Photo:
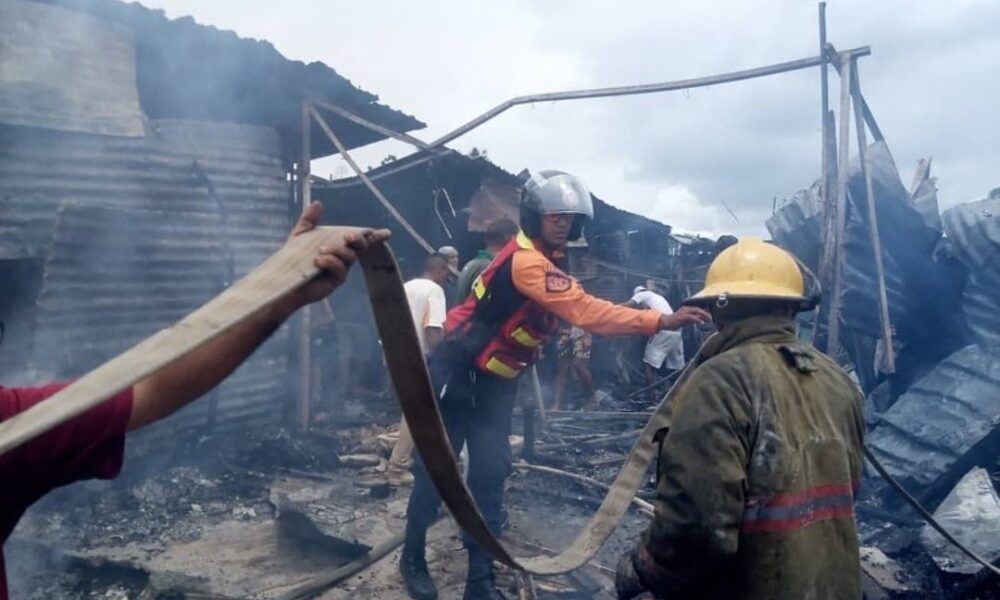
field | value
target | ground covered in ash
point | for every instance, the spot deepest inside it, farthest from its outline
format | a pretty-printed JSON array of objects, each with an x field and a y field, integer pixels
[
  {"x": 254, "y": 518},
  {"x": 259, "y": 518}
]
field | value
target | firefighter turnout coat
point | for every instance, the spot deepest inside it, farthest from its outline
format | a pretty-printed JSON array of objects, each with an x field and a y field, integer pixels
[{"x": 757, "y": 474}]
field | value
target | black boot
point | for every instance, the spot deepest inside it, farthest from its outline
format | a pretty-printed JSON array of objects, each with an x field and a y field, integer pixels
[
  {"x": 479, "y": 581},
  {"x": 413, "y": 565}
]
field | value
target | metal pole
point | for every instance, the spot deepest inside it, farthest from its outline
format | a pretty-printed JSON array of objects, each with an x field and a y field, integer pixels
[
  {"x": 827, "y": 215},
  {"x": 683, "y": 84},
  {"x": 836, "y": 59},
  {"x": 823, "y": 75},
  {"x": 305, "y": 321},
  {"x": 368, "y": 182},
  {"x": 346, "y": 114},
  {"x": 833, "y": 319},
  {"x": 632, "y": 90},
  {"x": 883, "y": 300}
]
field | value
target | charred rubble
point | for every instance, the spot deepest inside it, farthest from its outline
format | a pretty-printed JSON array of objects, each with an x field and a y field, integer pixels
[
  {"x": 239, "y": 496},
  {"x": 935, "y": 421}
]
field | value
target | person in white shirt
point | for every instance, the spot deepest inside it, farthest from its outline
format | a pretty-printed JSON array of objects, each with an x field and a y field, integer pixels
[
  {"x": 427, "y": 303},
  {"x": 665, "y": 349}
]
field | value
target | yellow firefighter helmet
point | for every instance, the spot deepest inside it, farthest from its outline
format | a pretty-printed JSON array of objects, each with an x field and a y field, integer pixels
[{"x": 753, "y": 269}]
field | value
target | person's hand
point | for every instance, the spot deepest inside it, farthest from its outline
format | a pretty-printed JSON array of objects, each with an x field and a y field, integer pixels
[
  {"x": 685, "y": 315},
  {"x": 628, "y": 584},
  {"x": 333, "y": 261}
]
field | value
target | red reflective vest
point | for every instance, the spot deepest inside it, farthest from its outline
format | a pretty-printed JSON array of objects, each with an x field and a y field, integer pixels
[{"x": 497, "y": 328}]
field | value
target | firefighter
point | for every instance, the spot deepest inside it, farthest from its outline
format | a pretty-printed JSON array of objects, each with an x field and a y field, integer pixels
[
  {"x": 490, "y": 339},
  {"x": 757, "y": 474}
]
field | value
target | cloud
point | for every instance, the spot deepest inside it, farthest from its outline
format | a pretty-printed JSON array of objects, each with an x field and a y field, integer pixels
[
  {"x": 931, "y": 81},
  {"x": 678, "y": 205}
]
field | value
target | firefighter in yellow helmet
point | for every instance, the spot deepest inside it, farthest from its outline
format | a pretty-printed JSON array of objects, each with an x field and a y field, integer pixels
[{"x": 758, "y": 472}]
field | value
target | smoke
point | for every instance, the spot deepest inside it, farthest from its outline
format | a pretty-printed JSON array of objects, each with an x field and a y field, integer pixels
[{"x": 108, "y": 234}]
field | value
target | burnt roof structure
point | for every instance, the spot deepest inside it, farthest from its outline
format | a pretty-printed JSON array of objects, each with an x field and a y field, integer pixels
[
  {"x": 426, "y": 186},
  {"x": 196, "y": 72},
  {"x": 144, "y": 166}
]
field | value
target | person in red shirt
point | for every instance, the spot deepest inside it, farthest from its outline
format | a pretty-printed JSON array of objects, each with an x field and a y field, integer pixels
[{"x": 92, "y": 444}]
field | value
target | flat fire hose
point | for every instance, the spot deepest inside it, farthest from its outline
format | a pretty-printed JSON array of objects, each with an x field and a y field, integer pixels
[
  {"x": 289, "y": 269},
  {"x": 286, "y": 271},
  {"x": 412, "y": 383}
]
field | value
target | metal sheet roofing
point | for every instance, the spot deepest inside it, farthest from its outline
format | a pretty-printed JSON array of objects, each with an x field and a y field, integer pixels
[
  {"x": 920, "y": 288},
  {"x": 191, "y": 71},
  {"x": 63, "y": 69},
  {"x": 974, "y": 232},
  {"x": 942, "y": 416}
]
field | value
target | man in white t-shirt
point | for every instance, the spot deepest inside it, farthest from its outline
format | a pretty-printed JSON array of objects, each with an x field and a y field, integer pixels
[
  {"x": 427, "y": 303},
  {"x": 665, "y": 349}
]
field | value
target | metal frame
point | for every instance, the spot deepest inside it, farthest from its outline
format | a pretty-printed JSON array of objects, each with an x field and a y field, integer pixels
[{"x": 834, "y": 213}]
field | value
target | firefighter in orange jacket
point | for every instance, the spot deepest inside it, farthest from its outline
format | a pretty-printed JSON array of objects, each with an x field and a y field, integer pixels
[{"x": 490, "y": 339}]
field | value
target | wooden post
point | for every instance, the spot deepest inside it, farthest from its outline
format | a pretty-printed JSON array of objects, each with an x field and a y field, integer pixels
[
  {"x": 828, "y": 214},
  {"x": 921, "y": 173},
  {"x": 824, "y": 83},
  {"x": 833, "y": 318},
  {"x": 305, "y": 321},
  {"x": 828, "y": 224},
  {"x": 368, "y": 182},
  {"x": 396, "y": 135},
  {"x": 883, "y": 300}
]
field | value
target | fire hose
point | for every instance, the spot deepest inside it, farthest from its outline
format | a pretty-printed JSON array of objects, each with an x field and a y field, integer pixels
[
  {"x": 288, "y": 270},
  {"x": 284, "y": 272}
]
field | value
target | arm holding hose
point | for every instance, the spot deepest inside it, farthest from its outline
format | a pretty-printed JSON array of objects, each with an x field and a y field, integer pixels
[{"x": 183, "y": 381}]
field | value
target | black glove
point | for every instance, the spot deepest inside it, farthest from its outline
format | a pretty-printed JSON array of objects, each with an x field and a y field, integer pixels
[{"x": 628, "y": 584}]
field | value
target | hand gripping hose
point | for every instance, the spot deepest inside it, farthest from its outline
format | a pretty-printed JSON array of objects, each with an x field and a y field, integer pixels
[
  {"x": 286, "y": 271},
  {"x": 289, "y": 269}
]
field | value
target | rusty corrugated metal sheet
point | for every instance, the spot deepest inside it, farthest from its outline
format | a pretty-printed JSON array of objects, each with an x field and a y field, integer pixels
[
  {"x": 137, "y": 232},
  {"x": 62, "y": 69}
]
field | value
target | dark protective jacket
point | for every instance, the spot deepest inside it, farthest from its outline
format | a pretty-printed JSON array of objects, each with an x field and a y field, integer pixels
[
  {"x": 469, "y": 273},
  {"x": 757, "y": 474}
]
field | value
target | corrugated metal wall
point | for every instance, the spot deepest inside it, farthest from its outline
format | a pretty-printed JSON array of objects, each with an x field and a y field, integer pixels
[{"x": 134, "y": 233}]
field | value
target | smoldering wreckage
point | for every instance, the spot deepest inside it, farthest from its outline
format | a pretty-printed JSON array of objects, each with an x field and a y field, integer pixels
[{"x": 148, "y": 164}]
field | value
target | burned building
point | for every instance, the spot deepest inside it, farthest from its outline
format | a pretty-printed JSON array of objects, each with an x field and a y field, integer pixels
[
  {"x": 449, "y": 199},
  {"x": 146, "y": 164},
  {"x": 932, "y": 413}
]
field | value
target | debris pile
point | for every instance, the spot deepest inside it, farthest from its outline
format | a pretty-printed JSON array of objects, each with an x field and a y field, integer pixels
[
  {"x": 934, "y": 421},
  {"x": 267, "y": 518}
]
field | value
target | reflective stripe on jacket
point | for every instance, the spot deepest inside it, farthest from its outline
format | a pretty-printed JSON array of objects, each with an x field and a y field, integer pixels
[
  {"x": 514, "y": 309},
  {"x": 758, "y": 473}
]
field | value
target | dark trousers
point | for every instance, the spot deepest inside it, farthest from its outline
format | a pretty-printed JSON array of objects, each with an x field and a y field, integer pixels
[{"x": 476, "y": 409}]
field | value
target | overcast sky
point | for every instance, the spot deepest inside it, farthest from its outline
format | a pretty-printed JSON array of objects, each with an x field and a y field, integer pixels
[{"x": 932, "y": 81}]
